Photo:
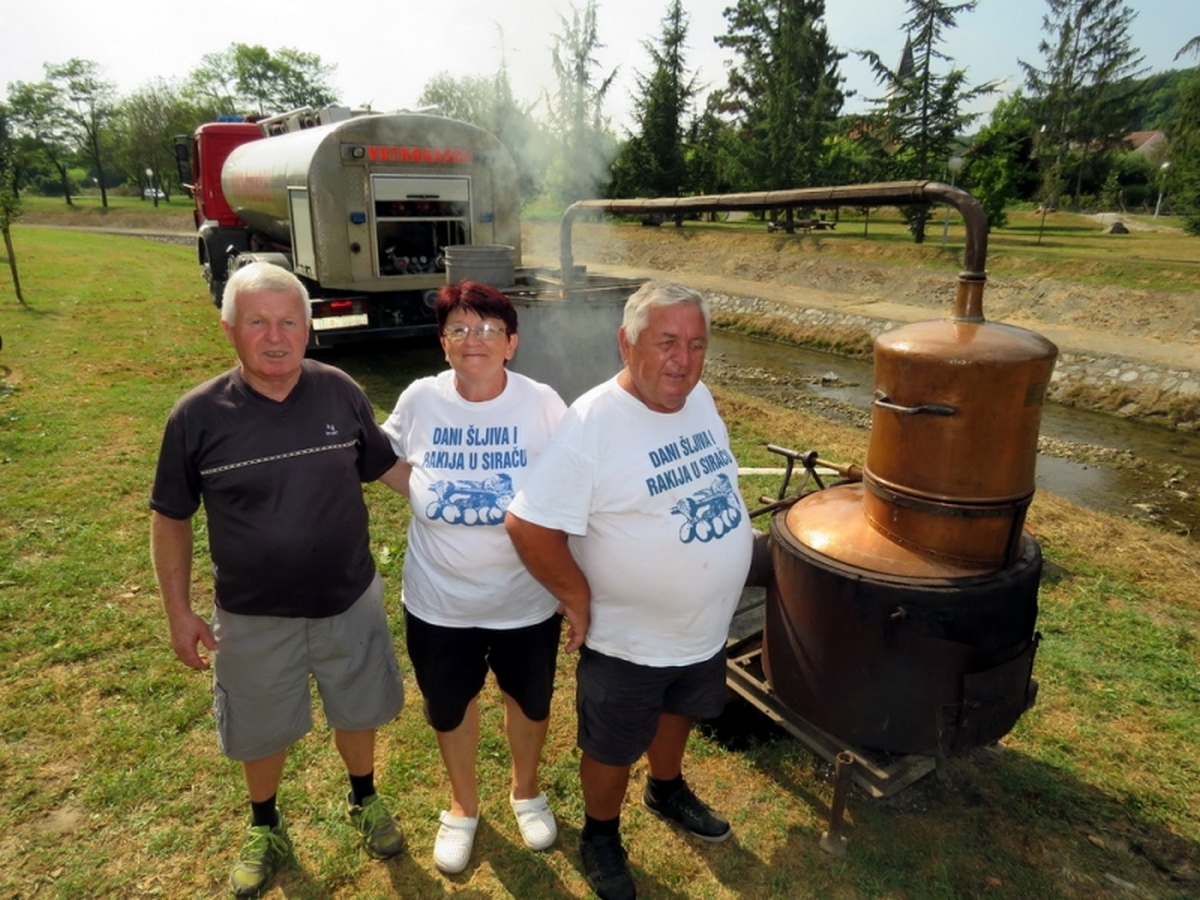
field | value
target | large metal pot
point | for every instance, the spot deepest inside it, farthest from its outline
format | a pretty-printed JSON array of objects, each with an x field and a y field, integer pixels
[{"x": 899, "y": 663}]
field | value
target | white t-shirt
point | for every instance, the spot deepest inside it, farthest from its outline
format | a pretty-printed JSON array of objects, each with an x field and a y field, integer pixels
[
  {"x": 468, "y": 460},
  {"x": 651, "y": 503}
]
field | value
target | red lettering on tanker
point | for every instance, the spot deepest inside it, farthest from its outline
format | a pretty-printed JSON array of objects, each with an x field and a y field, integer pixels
[{"x": 443, "y": 155}]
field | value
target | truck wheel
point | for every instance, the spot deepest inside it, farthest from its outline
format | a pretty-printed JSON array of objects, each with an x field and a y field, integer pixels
[{"x": 216, "y": 289}]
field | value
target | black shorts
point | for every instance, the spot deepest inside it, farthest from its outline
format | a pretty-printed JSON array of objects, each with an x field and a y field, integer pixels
[
  {"x": 451, "y": 665},
  {"x": 618, "y": 703}
]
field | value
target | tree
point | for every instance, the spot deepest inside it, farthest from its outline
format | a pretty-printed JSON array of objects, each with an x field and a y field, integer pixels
[
  {"x": 652, "y": 163},
  {"x": 784, "y": 91},
  {"x": 87, "y": 102},
  {"x": 1000, "y": 166},
  {"x": 1082, "y": 94},
  {"x": 489, "y": 103},
  {"x": 147, "y": 122},
  {"x": 10, "y": 201},
  {"x": 921, "y": 117},
  {"x": 586, "y": 146},
  {"x": 713, "y": 152},
  {"x": 34, "y": 112},
  {"x": 249, "y": 79},
  {"x": 1182, "y": 178}
]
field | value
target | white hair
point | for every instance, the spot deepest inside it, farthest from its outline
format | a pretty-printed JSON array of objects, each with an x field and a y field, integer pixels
[
  {"x": 258, "y": 277},
  {"x": 659, "y": 293}
]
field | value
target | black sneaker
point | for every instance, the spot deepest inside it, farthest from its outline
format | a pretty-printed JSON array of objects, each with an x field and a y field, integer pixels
[
  {"x": 685, "y": 809},
  {"x": 605, "y": 867}
]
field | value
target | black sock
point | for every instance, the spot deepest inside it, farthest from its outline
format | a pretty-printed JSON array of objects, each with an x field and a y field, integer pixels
[
  {"x": 361, "y": 787},
  {"x": 599, "y": 827},
  {"x": 661, "y": 790},
  {"x": 264, "y": 813}
]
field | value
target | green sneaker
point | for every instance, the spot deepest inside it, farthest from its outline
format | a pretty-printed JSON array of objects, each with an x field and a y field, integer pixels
[
  {"x": 381, "y": 837},
  {"x": 263, "y": 852}
]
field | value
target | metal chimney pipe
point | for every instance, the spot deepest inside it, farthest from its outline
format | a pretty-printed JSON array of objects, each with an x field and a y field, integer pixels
[{"x": 968, "y": 302}]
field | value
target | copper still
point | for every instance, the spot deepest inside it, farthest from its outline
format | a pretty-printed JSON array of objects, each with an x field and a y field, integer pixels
[{"x": 903, "y": 613}]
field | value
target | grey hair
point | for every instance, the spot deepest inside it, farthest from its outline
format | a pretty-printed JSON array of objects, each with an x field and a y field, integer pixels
[
  {"x": 258, "y": 277},
  {"x": 659, "y": 293}
]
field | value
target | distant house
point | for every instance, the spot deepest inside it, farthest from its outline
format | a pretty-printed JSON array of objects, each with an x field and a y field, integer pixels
[{"x": 1145, "y": 142}]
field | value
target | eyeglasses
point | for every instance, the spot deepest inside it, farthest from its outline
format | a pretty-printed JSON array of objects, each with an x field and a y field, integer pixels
[{"x": 485, "y": 332}]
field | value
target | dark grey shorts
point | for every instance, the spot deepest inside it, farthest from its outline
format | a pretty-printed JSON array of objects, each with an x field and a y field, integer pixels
[
  {"x": 618, "y": 703},
  {"x": 262, "y": 667}
]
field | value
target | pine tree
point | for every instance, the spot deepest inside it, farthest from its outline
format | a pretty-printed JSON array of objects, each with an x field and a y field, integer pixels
[
  {"x": 652, "y": 163},
  {"x": 1082, "y": 93},
  {"x": 784, "y": 93},
  {"x": 586, "y": 149},
  {"x": 921, "y": 116}
]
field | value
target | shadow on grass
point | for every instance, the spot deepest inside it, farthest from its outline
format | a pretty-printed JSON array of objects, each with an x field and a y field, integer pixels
[{"x": 993, "y": 821}]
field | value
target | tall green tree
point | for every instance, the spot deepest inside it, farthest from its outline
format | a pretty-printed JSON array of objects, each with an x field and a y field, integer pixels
[
  {"x": 586, "y": 146},
  {"x": 248, "y": 79},
  {"x": 1000, "y": 166},
  {"x": 146, "y": 124},
  {"x": 10, "y": 200},
  {"x": 784, "y": 91},
  {"x": 652, "y": 162},
  {"x": 922, "y": 115},
  {"x": 1082, "y": 91},
  {"x": 1182, "y": 179},
  {"x": 35, "y": 114},
  {"x": 87, "y": 103},
  {"x": 713, "y": 152}
]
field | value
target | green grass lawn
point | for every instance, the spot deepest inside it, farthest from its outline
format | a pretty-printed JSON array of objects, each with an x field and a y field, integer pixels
[{"x": 113, "y": 786}]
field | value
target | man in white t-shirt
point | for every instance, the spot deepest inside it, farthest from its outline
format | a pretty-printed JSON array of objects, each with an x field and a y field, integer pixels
[{"x": 633, "y": 520}]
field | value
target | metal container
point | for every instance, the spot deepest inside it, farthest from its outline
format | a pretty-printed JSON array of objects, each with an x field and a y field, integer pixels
[
  {"x": 900, "y": 663},
  {"x": 569, "y": 338},
  {"x": 484, "y": 263}
]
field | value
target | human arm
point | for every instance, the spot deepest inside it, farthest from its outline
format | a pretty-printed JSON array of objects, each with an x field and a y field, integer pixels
[
  {"x": 546, "y": 555},
  {"x": 171, "y": 552},
  {"x": 762, "y": 569},
  {"x": 397, "y": 477}
]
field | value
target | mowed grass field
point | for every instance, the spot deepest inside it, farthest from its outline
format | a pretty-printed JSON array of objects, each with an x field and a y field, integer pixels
[{"x": 112, "y": 784}]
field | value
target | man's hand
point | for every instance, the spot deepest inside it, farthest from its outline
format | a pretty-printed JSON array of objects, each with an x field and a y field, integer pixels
[
  {"x": 189, "y": 633},
  {"x": 547, "y": 555},
  {"x": 578, "y": 621}
]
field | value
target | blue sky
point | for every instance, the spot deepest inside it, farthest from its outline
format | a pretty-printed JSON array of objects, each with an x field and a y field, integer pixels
[{"x": 385, "y": 52}]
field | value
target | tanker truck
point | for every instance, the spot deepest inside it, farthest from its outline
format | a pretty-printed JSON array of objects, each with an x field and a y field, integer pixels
[{"x": 361, "y": 206}]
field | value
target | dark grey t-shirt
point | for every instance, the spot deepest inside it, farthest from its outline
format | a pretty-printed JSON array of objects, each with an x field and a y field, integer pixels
[{"x": 281, "y": 485}]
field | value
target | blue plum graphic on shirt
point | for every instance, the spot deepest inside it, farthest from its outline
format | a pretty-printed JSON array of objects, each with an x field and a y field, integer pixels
[
  {"x": 467, "y": 502},
  {"x": 711, "y": 512}
]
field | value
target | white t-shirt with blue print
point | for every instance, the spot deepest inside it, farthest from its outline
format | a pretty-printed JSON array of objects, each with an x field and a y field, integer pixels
[
  {"x": 657, "y": 525},
  {"x": 468, "y": 461}
]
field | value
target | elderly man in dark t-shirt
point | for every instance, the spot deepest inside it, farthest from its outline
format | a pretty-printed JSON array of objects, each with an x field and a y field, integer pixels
[{"x": 277, "y": 450}]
